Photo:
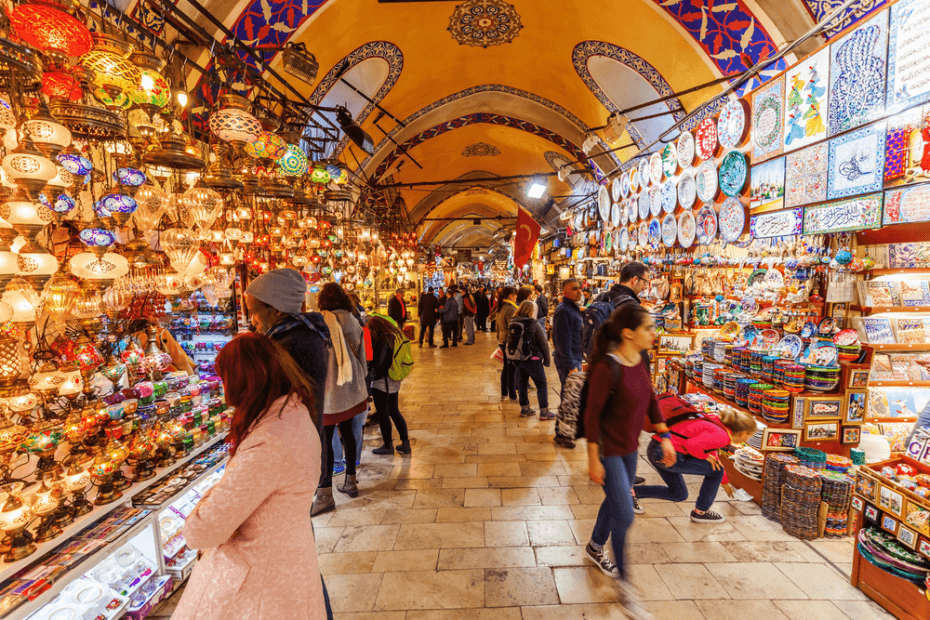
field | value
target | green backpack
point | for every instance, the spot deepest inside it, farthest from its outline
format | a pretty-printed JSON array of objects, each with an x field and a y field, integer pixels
[{"x": 402, "y": 362}]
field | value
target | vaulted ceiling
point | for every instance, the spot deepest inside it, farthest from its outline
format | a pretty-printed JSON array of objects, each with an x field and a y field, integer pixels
[{"x": 515, "y": 104}]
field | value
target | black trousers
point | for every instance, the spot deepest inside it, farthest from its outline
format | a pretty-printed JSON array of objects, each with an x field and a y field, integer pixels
[
  {"x": 431, "y": 326},
  {"x": 449, "y": 333},
  {"x": 348, "y": 441},
  {"x": 388, "y": 411},
  {"x": 481, "y": 321},
  {"x": 459, "y": 325}
]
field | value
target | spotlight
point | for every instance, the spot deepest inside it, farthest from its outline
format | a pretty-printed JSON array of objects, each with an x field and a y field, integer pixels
[
  {"x": 352, "y": 129},
  {"x": 537, "y": 189},
  {"x": 299, "y": 62}
]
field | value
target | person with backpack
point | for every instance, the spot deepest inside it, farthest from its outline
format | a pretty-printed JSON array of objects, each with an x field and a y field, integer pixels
[
  {"x": 542, "y": 306},
  {"x": 468, "y": 300},
  {"x": 506, "y": 308},
  {"x": 450, "y": 318},
  {"x": 697, "y": 439},
  {"x": 618, "y": 398},
  {"x": 384, "y": 388},
  {"x": 528, "y": 350}
]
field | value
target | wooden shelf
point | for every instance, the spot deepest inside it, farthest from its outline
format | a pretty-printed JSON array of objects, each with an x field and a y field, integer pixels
[
  {"x": 899, "y": 383},
  {"x": 888, "y": 309},
  {"x": 900, "y": 347},
  {"x": 891, "y": 272},
  {"x": 703, "y": 390}
]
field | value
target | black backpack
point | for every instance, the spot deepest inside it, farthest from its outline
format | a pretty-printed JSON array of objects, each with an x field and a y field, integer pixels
[
  {"x": 519, "y": 345},
  {"x": 596, "y": 315},
  {"x": 583, "y": 401}
]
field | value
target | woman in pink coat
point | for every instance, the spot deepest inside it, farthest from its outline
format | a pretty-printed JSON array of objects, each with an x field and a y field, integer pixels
[{"x": 260, "y": 559}]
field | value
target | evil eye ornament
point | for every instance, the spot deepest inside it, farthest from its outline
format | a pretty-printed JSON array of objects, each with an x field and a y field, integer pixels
[{"x": 844, "y": 257}]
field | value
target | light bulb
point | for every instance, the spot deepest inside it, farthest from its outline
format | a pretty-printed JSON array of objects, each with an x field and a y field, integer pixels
[{"x": 147, "y": 82}]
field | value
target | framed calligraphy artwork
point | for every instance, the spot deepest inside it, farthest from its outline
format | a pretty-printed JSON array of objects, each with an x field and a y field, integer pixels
[
  {"x": 857, "y": 162},
  {"x": 768, "y": 120},
  {"x": 908, "y": 55},
  {"x": 777, "y": 224},
  {"x": 846, "y": 215},
  {"x": 907, "y": 205},
  {"x": 857, "y": 75},
  {"x": 806, "y": 101}
]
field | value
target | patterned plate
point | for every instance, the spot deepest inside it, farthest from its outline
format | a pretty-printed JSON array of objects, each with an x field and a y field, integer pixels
[
  {"x": 624, "y": 185},
  {"x": 603, "y": 202},
  {"x": 615, "y": 213},
  {"x": 706, "y": 181},
  {"x": 615, "y": 188},
  {"x": 732, "y": 219},
  {"x": 607, "y": 242},
  {"x": 705, "y": 139},
  {"x": 846, "y": 338},
  {"x": 686, "y": 229},
  {"x": 644, "y": 179},
  {"x": 655, "y": 232},
  {"x": 624, "y": 239},
  {"x": 669, "y": 230},
  {"x": 655, "y": 168},
  {"x": 634, "y": 180},
  {"x": 731, "y": 125},
  {"x": 734, "y": 169},
  {"x": 624, "y": 213},
  {"x": 643, "y": 234},
  {"x": 655, "y": 201},
  {"x": 670, "y": 159},
  {"x": 669, "y": 196},
  {"x": 632, "y": 209},
  {"x": 809, "y": 329},
  {"x": 644, "y": 204},
  {"x": 706, "y": 224},
  {"x": 790, "y": 347},
  {"x": 687, "y": 190},
  {"x": 685, "y": 149}
]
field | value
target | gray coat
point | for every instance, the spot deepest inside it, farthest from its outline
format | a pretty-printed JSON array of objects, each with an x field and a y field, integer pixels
[{"x": 339, "y": 398}]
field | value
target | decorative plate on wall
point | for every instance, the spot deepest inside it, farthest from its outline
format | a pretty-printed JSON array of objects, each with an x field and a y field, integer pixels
[
  {"x": 669, "y": 230},
  {"x": 634, "y": 179},
  {"x": 624, "y": 185},
  {"x": 706, "y": 224},
  {"x": 655, "y": 201},
  {"x": 643, "y": 234},
  {"x": 655, "y": 232},
  {"x": 732, "y": 219},
  {"x": 603, "y": 202},
  {"x": 624, "y": 213},
  {"x": 632, "y": 208},
  {"x": 768, "y": 120},
  {"x": 734, "y": 169},
  {"x": 670, "y": 159},
  {"x": 731, "y": 125},
  {"x": 615, "y": 188},
  {"x": 687, "y": 190},
  {"x": 644, "y": 204},
  {"x": 615, "y": 213},
  {"x": 705, "y": 139},
  {"x": 685, "y": 149},
  {"x": 655, "y": 168},
  {"x": 644, "y": 172},
  {"x": 706, "y": 181},
  {"x": 686, "y": 229},
  {"x": 624, "y": 239},
  {"x": 669, "y": 196}
]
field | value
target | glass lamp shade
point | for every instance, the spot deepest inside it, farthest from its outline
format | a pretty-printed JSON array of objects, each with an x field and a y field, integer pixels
[
  {"x": 46, "y": 379},
  {"x": 129, "y": 177},
  {"x": 75, "y": 164},
  {"x": 51, "y": 30},
  {"x": 59, "y": 297},
  {"x": 14, "y": 515},
  {"x": 103, "y": 469},
  {"x": 76, "y": 478},
  {"x": 97, "y": 238},
  {"x": 7, "y": 118},
  {"x": 170, "y": 284},
  {"x": 28, "y": 167},
  {"x": 319, "y": 175},
  {"x": 23, "y": 214},
  {"x": 86, "y": 306},
  {"x": 62, "y": 206},
  {"x": 266, "y": 146},
  {"x": 248, "y": 237},
  {"x": 11, "y": 366},
  {"x": 180, "y": 245},
  {"x": 152, "y": 92},
  {"x": 197, "y": 265},
  {"x": 59, "y": 85},
  {"x": 235, "y": 126},
  {"x": 204, "y": 205},
  {"x": 152, "y": 204},
  {"x": 73, "y": 384},
  {"x": 24, "y": 306},
  {"x": 115, "y": 300},
  {"x": 293, "y": 163},
  {"x": 112, "y": 71},
  {"x": 23, "y": 401},
  {"x": 227, "y": 259},
  {"x": 61, "y": 181},
  {"x": 87, "y": 266},
  {"x": 33, "y": 262},
  {"x": 113, "y": 370},
  {"x": 86, "y": 354},
  {"x": 120, "y": 206},
  {"x": 119, "y": 102},
  {"x": 233, "y": 234},
  {"x": 46, "y": 132},
  {"x": 132, "y": 355}
]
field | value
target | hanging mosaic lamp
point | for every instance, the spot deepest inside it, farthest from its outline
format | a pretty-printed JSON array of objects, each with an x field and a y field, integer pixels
[
  {"x": 266, "y": 146},
  {"x": 204, "y": 205},
  {"x": 75, "y": 164},
  {"x": 100, "y": 272},
  {"x": 129, "y": 177},
  {"x": 49, "y": 136},
  {"x": 26, "y": 217},
  {"x": 152, "y": 92},
  {"x": 59, "y": 297},
  {"x": 113, "y": 72},
  {"x": 61, "y": 181},
  {"x": 28, "y": 168},
  {"x": 119, "y": 206},
  {"x": 120, "y": 102},
  {"x": 233, "y": 123},
  {"x": 60, "y": 85},
  {"x": 319, "y": 174},
  {"x": 56, "y": 33},
  {"x": 97, "y": 239},
  {"x": 36, "y": 265},
  {"x": 293, "y": 163}
]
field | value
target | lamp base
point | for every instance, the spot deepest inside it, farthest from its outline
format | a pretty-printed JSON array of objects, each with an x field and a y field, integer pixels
[
  {"x": 143, "y": 470},
  {"x": 107, "y": 494},
  {"x": 120, "y": 482},
  {"x": 21, "y": 546},
  {"x": 80, "y": 506},
  {"x": 47, "y": 530}
]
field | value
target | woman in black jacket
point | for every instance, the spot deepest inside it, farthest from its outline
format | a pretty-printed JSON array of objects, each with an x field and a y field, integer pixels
[
  {"x": 536, "y": 355},
  {"x": 384, "y": 390}
]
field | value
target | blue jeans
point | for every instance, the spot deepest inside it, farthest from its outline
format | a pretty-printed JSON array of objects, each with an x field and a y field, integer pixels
[
  {"x": 675, "y": 489},
  {"x": 532, "y": 369},
  {"x": 358, "y": 429},
  {"x": 616, "y": 514}
]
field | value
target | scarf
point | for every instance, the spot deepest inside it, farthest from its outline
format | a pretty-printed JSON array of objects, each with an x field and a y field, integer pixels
[
  {"x": 340, "y": 350},
  {"x": 311, "y": 320}
]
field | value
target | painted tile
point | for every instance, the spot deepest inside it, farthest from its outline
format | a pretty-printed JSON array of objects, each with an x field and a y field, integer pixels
[
  {"x": 806, "y": 175},
  {"x": 806, "y": 101},
  {"x": 856, "y": 162},
  {"x": 768, "y": 120},
  {"x": 857, "y": 75},
  {"x": 908, "y": 54}
]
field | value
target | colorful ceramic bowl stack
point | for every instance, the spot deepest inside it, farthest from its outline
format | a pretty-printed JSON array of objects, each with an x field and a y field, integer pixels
[
  {"x": 821, "y": 378},
  {"x": 885, "y": 552},
  {"x": 775, "y": 405},
  {"x": 720, "y": 351},
  {"x": 755, "y": 363},
  {"x": 741, "y": 358},
  {"x": 800, "y": 501},
  {"x": 838, "y": 464},
  {"x": 698, "y": 370},
  {"x": 847, "y": 344},
  {"x": 789, "y": 375},
  {"x": 742, "y": 390},
  {"x": 756, "y": 390},
  {"x": 811, "y": 458},
  {"x": 719, "y": 376},
  {"x": 729, "y": 385},
  {"x": 775, "y": 464},
  {"x": 708, "y": 376},
  {"x": 707, "y": 348},
  {"x": 768, "y": 367}
]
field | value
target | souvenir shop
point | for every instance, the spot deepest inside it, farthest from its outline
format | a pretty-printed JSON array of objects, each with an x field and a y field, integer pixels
[{"x": 789, "y": 240}]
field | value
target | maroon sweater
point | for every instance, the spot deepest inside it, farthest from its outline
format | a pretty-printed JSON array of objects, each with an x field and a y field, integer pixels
[{"x": 615, "y": 422}]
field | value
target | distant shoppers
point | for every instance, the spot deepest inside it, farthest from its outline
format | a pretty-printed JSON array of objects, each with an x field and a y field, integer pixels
[
  {"x": 460, "y": 319},
  {"x": 397, "y": 309},
  {"x": 262, "y": 562},
  {"x": 384, "y": 390},
  {"x": 633, "y": 279},
  {"x": 427, "y": 307},
  {"x": 484, "y": 309},
  {"x": 527, "y": 293},
  {"x": 450, "y": 319},
  {"x": 468, "y": 300},
  {"x": 362, "y": 314},
  {"x": 495, "y": 306},
  {"x": 506, "y": 308},
  {"x": 535, "y": 355},
  {"x": 542, "y": 307},
  {"x": 566, "y": 331}
]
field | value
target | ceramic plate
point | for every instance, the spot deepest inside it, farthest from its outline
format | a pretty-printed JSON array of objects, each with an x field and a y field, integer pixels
[
  {"x": 773, "y": 279},
  {"x": 731, "y": 125},
  {"x": 822, "y": 353},
  {"x": 706, "y": 181},
  {"x": 769, "y": 338},
  {"x": 624, "y": 239},
  {"x": 624, "y": 213},
  {"x": 655, "y": 168},
  {"x": 655, "y": 232},
  {"x": 634, "y": 179},
  {"x": 687, "y": 190},
  {"x": 686, "y": 229},
  {"x": 603, "y": 202},
  {"x": 669, "y": 196},
  {"x": 705, "y": 139},
  {"x": 615, "y": 210},
  {"x": 670, "y": 159},
  {"x": 655, "y": 200},
  {"x": 685, "y": 149},
  {"x": 809, "y": 329},
  {"x": 669, "y": 230},
  {"x": 624, "y": 185},
  {"x": 643, "y": 234},
  {"x": 706, "y": 225},
  {"x": 644, "y": 179},
  {"x": 732, "y": 219},
  {"x": 615, "y": 188},
  {"x": 644, "y": 204},
  {"x": 734, "y": 169},
  {"x": 632, "y": 208},
  {"x": 827, "y": 326},
  {"x": 790, "y": 347},
  {"x": 846, "y": 338}
]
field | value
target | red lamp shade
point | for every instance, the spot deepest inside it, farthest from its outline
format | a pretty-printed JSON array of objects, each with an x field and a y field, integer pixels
[
  {"x": 49, "y": 29},
  {"x": 58, "y": 85}
]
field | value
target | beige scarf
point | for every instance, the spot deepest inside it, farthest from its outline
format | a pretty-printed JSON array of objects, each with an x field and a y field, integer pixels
[{"x": 340, "y": 350}]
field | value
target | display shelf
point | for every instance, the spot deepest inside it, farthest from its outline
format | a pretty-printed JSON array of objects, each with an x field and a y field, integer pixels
[
  {"x": 891, "y": 272},
  {"x": 899, "y": 383},
  {"x": 888, "y": 309},
  {"x": 703, "y": 390},
  {"x": 203, "y": 476},
  {"x": 900, "y": 347},
  {"x": 742, "y": 481},
  {"x": 99, "y": 512}
]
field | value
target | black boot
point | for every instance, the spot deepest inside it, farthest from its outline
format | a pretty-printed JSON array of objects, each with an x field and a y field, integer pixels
[
  {"x": 385, "y": 449},
  {"x": 404, "y": 447}
]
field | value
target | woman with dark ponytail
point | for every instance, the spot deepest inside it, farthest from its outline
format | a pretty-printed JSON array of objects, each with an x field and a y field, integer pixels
[{"x": 620, "y": 397}]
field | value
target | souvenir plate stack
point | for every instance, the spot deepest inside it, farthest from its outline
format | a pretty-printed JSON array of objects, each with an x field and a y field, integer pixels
[
  {"x": 729, "y": 385},
  {"x": 821, "y": 378},
  {"x": 882, "y": 550},
  {"x": 742, "y": 390},
  {"x": 719, "y": 377},
  {"x": 768, "y": 367},
  {"x": 755, "y": 396},
  {"x": 775, "y": 464},
  {"x": 800, "y": 501},
  {"x": 708, "y": 376},
  {"x": 720, "y": 351},
  {"x": 847, "y": 345},
  {"x": 741, "y": 358},
  {"x": 836, "y": 490},
  {"x": 775, "y": 405},
  {"x": 789, "y": 375},
  {"x": 838, "y": 464},
  {"x": 749, "y": 462},
  {"x": 755, "y": 363},
  {"x": 707, "y": 348}
]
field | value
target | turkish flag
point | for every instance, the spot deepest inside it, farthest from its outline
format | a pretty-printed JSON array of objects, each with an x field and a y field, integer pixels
[{"x": 525, "y": 238}]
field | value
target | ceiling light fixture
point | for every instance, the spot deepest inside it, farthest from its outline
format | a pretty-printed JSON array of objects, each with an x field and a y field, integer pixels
[
  {"x": 537, "y": 189},
  {"x": 354, "y": 131}
]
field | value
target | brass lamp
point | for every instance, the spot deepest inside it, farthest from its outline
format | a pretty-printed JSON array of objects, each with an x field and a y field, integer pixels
[
  {"x": 45, "y": 506},
  {"x": 77, "y": 479},
  {"x": 14, "y": 517}
]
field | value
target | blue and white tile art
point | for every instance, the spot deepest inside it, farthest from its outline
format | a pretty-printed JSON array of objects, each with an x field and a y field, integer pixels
[
  {"x": 857, "y": 75},
  {"x": 908, "y": 54},
  {"x": 857, "y": 162}
]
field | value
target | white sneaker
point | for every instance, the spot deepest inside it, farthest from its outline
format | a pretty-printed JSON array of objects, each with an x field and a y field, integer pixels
[{"x": 637, "y": 507}]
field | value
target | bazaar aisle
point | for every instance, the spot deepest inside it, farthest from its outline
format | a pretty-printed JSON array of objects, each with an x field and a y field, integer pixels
[{"x": 489, "y": 514}]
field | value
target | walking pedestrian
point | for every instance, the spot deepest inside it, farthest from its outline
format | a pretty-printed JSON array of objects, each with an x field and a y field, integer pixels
[
  {"x": 542, "y": 307},
  {"x": 397, "y": 308},
  {"x": 484, "y": 309},
  {"x": 535, "y": 356},
  {"x": 527, "y": 293},
  {"x": 450, "y": 317},
  {"x": 566, "y": 331},
  {"x": 633, "y": 279},
  {"x": 384, "y": 389},
  {"x": 427, "y": 306},
  {"x": 620, "y": 397},
  {"x": 460, "y": 319},
  {"x": 506, "y": 308},
  {"x": 468, "y": 300}
]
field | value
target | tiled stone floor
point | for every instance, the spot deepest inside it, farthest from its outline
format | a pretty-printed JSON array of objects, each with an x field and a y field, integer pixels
[{"x": 488, "y": 518}]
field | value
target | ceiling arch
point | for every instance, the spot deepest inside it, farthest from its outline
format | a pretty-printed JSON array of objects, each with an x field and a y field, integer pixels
[{"x": 446, "y": 199}]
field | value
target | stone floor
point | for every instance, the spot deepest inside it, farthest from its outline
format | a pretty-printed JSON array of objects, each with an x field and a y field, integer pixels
[{"x": 488, "y": 518}]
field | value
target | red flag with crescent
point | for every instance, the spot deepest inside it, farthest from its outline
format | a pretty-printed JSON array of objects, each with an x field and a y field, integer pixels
[{"x": 525, "y": 238}]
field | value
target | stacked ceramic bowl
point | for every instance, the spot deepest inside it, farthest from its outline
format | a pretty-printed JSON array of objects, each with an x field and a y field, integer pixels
[
  {"x": 756, "y": 391},
  {"x": 821, "y": 378},
  {"x": 848, "y": 353},
  {"x": 789, "y": 375},
  {"x": 811, "y": 458},
  {"x": 749, "y": 462},
  {"x": 708, "y": 374},
  {"x": 838, "y": 464},
  {"x": 755, "y": 363},
  {"x": 707, "y": 348},
  {"x": 742, "y": 390},
  {"x": 775, "y": 464},
  {"x": 741, "y": 358},
  {"x": 720, "y": 351},
  {"x": 775, "y": 405},
  {"x": 729, "y": 385},
  {"x": 768, "y": 366}
]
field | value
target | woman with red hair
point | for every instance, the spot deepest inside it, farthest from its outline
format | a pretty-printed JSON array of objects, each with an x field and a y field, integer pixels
[{"x": 261, "y": 560}]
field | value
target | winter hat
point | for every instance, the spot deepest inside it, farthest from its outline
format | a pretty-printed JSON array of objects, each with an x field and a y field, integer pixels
[{"x": 282, "y": 289}]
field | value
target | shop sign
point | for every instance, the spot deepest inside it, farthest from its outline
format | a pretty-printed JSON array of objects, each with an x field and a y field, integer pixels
[
  {"x": 907, "y": 205},
  {"x": 846, "y": 215},
  {"x": 777, "y": 224}
]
